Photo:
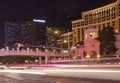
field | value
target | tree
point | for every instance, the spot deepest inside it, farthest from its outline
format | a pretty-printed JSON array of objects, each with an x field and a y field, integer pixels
[{"x": 107, "y": 41}]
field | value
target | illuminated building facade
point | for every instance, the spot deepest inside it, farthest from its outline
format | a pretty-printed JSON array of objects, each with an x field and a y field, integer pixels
[
  {"x": 66, "y": 41},
  {"x": 17, "y": 32},
  {"x": 108, "y": 15},
  {"x": 24, "y": 32},
  {"x": 91, "y": 44}
]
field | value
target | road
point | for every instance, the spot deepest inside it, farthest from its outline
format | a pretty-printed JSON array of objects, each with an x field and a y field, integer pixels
[{"x": 62, "y": 74}]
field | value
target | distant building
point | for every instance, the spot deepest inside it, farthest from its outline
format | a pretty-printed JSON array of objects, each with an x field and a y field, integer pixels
[
  {"x": 66, "y": 41},
  {"x": 24, "y": 32},
  {"x": 40, "y": 33},
  {"x": 91, "y": 46},
  {"x": 108, "y": 15},
  {"x": 2, "y": 34}
]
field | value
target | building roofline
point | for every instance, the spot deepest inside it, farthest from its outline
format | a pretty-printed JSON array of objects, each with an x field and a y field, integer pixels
[{"x": 102, "y": 7}]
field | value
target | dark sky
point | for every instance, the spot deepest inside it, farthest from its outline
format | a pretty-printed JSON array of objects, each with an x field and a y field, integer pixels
[{"x": 55, "y": 12}]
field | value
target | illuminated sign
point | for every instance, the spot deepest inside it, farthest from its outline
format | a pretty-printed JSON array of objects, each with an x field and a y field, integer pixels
[
  {"x": 65, "y": 51},
  {"x": 40, "y": 21}
]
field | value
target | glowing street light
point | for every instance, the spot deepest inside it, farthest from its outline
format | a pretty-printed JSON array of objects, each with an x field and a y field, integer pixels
[
  {"x": 56, "y": 32},
  {"x": 65, "y": 41}
]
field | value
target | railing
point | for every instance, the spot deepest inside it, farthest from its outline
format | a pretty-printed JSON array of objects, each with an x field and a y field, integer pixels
[{"x": 27, "y": 53}]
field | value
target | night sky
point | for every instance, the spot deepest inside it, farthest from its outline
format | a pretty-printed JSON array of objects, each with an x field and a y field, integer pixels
[{"x": 55, "y": 12}]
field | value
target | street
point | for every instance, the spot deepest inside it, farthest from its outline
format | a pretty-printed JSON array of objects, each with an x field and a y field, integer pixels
[
  {"x": 62, "y": 74},
  {"x": 32, "y": 78}
]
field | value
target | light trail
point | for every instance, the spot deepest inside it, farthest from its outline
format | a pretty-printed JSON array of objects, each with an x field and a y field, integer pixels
[
  {"x": 18, "y": 67},
  {"x": 22, "y": 71},
  {"x": 72, "y": 65},
  {"x": 72, "y": 70}
]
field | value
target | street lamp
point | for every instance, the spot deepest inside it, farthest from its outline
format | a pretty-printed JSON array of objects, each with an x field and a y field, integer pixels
[
  {"x": 56, "y": 36},
  {"x": 56, "y": 32},
  {"x": 65, "y": 41}
]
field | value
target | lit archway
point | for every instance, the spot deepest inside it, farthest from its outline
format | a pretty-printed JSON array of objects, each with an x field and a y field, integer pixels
[{"x": 93, "y": 54}]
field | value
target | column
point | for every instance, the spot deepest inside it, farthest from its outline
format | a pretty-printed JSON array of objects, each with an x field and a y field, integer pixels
[
  {"x": 40, "y": 60},
  {"x": 37, "y": 49},
  {"x": 46, "y": 57},
  {"x": 18, "y": 49},
  {"x": 7, "y": 48}
]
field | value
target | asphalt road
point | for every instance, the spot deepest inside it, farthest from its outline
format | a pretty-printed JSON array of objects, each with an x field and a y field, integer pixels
[
  {"x": 62, "y": 74},
  {"x": 33, "y": 78}
]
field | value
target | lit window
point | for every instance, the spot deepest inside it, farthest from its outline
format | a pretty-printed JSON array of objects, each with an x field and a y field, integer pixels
[{"x": 92, "y": 34}]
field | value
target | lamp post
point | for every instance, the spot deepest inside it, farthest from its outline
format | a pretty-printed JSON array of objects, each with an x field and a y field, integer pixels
[
  {"x": 68, "y": 44},
  {"x": 56, "y": 33}
]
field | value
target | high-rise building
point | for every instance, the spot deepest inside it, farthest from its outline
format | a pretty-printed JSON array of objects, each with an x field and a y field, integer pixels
[
  {"x": 40, "y": 33},
  {"x": 25, "y": 32},
  {"x": 108, "y": 15},
  {"x": 1, "y": 34}
]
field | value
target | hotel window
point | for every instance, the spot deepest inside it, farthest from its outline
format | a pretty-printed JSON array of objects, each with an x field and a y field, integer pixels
[
  {"x": 74, "y": 24},
  {"x": 92, "y": 35},
  {"x": 74, "y": 31},
  {"x": 108, "y": 24},
  {"x": 107, "y": 11},
  {"x": 103, "y": 25},
  {"x": 82, "y": 33},
  {"x": 78, "y": 24},
  {"x": 99, "y": 26},
  {"x": 119, "y": 20},
  {"x": 82, "y": 23},
  {"x": 113, "y": 23},
  {"x": 78, "y": 38},
  {"x": 78, "y": 31}
]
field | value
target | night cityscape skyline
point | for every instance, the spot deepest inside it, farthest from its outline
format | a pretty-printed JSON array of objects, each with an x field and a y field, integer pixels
[
  {"x": 56, "y": 12},
  {"x": 60, "y": 41}
]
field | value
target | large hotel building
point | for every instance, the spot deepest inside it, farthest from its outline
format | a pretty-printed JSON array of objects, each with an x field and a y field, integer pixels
[
  {"x": 24, "y": 32},
  {"x": 108, "y": 15}
]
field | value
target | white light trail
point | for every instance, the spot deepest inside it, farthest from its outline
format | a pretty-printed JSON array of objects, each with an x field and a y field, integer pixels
[
  {"x": 92, "y": 71},
  {"x": 24, "y": 72}
]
